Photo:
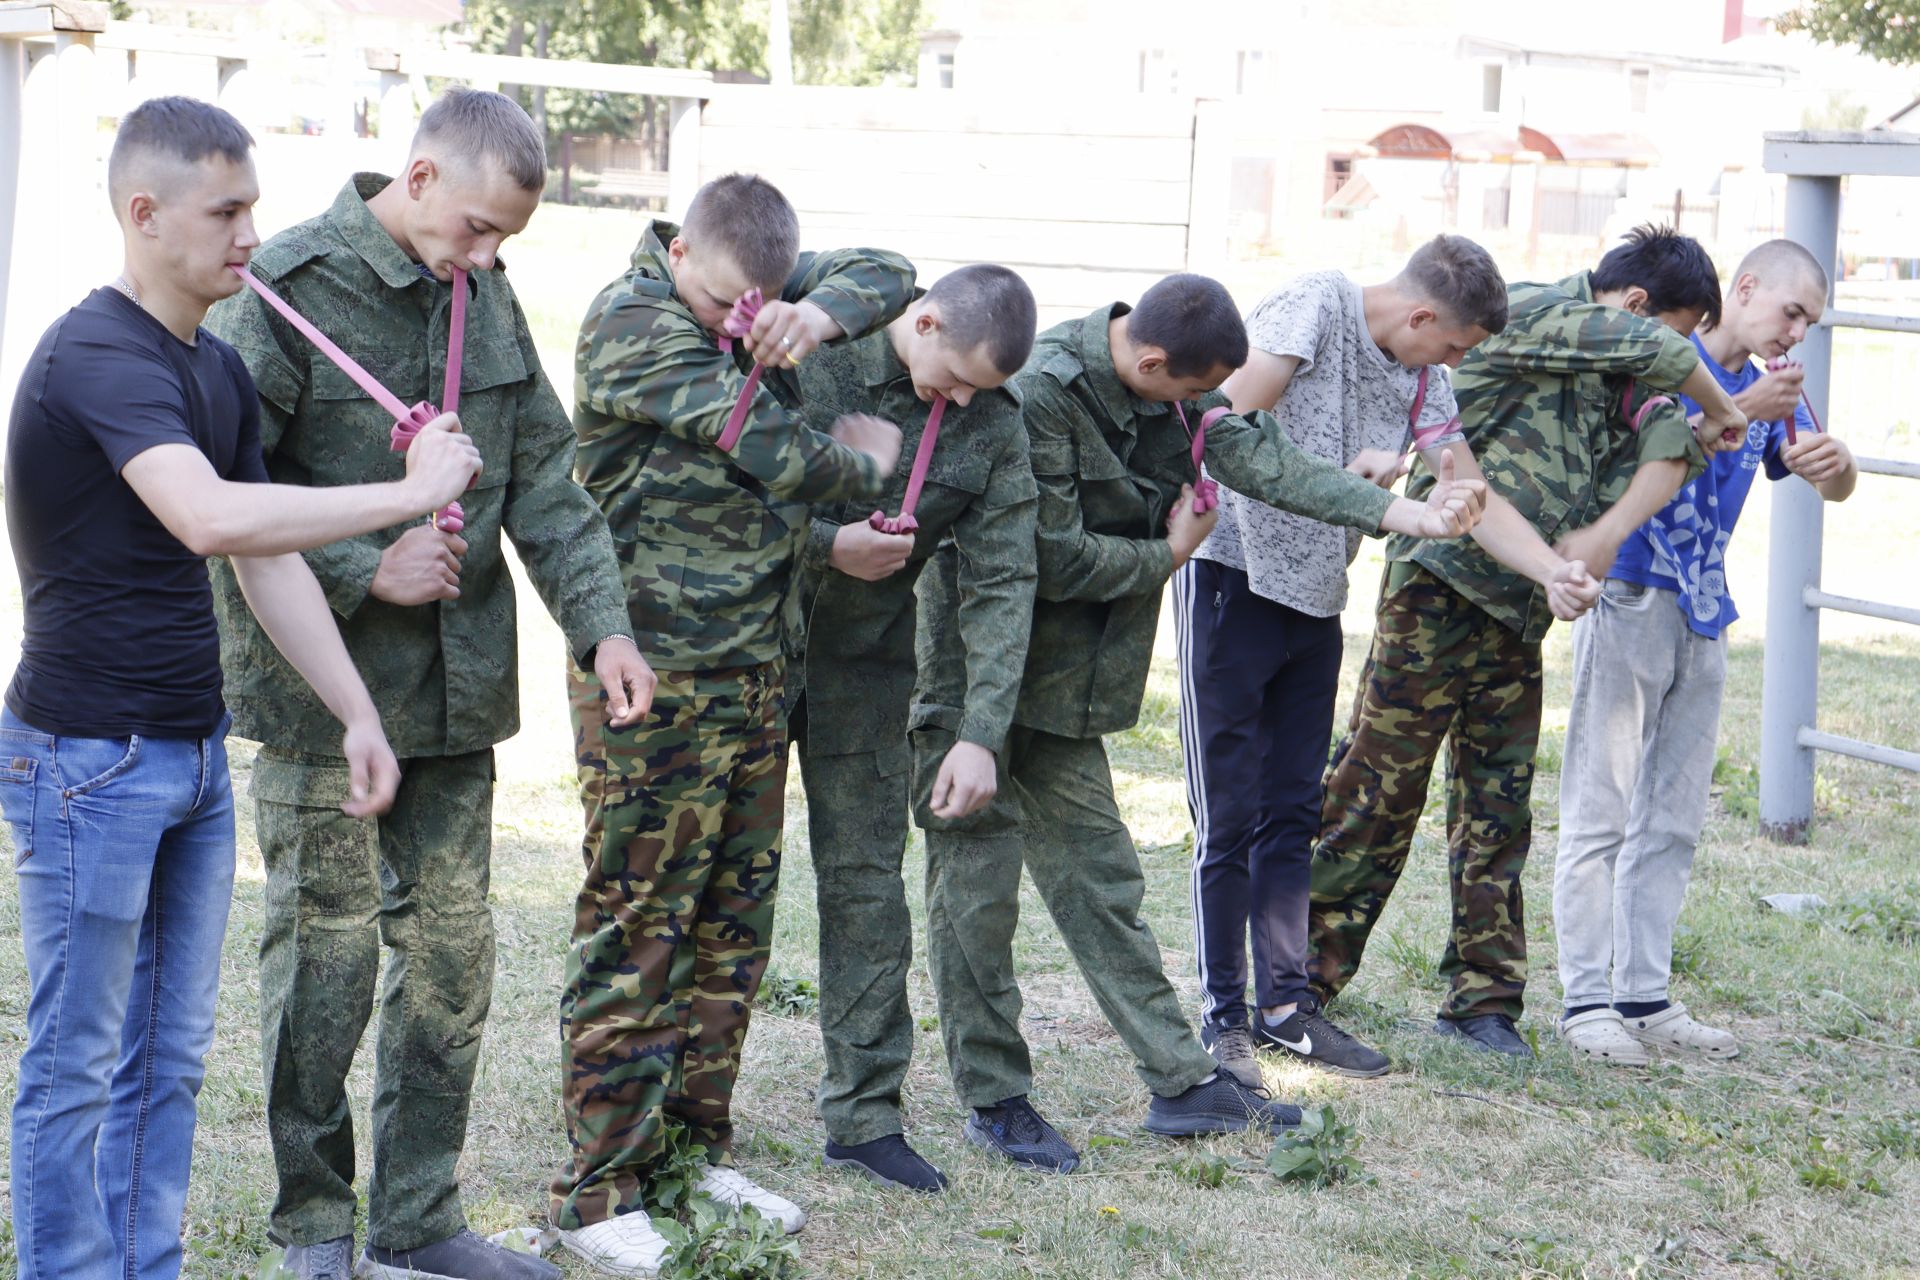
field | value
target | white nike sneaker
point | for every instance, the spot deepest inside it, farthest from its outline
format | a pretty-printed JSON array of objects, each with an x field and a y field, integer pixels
[
  {"x": 623, "y": 1246},
  {"x": 732, "y": 1188}
]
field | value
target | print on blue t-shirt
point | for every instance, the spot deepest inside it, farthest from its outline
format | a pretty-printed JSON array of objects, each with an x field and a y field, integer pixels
[{"x": 1684, "y": 548}]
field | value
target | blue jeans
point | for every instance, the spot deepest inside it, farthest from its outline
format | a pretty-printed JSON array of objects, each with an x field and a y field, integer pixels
[{"x": 124, "y": 855}]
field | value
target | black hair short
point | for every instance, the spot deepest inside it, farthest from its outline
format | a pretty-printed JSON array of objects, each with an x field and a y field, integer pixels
[
  {"x": 746, "y": 218},
  {"x": 185, "y": 130},
  {"x": 985, "y": 304},
  {"x": 1194, "y": 321},
  {"x": 1674, "y": 270}
]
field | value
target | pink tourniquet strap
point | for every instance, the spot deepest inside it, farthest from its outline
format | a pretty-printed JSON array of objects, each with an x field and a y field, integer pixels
[
  {"x": 1206, "y": 492},
  {"x": 917, "y": 478},
  {"x": 1626, "y": 406},
  {"x": 406, "y": 421},
  {"x": 348, "y": 365},
  {"x": 1424, "y": 438},
  {"x": 738, "y": 324}
]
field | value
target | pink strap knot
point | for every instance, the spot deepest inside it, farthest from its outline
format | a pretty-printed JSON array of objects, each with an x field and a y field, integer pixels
[
  {"x": 738, "y": 324},
  {"x": 407, "y": 421},
  {"x": 1206, "y": 490},
  {"x": 1793, "y": 437},
  {"x": 922, "y": 457},
  {"x": 1634, "y": 420}
]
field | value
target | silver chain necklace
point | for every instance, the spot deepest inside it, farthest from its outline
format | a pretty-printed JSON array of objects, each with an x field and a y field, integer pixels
[{"x": 125, "y": 286}]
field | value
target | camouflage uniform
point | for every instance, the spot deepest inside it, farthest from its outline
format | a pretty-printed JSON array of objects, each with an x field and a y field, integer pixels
[
  {"x": 443, "y": 676},
  {"x": 1108, "y": 467},
  {"x": 854, "y": 672},
  {"x": 1456, "y": 649},
  {"x": 684, "y": 810}
]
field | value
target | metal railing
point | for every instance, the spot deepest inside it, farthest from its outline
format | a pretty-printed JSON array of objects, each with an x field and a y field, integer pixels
[{"x": 1814, "y": 164}]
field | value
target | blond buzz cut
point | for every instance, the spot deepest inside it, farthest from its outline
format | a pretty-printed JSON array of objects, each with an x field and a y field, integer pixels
[{"x": 467, "y": 125}]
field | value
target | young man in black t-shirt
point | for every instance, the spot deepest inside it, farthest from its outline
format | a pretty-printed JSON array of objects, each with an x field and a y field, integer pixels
[{"x": 133, "y": 454}]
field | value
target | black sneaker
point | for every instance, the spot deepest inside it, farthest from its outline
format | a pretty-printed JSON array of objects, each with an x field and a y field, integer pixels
[
  {"x": 328, "y": 1260},
  {"x": 1306, "y": 1034},
  {"x": 1220, "y": 1104},
  {"x": 1015, "y": 1130},
  {"x": 890, "y": 1162},
  {"x": 1231, "y": 1045},
  {"x": 462, "y": 1257},
  {"x": 1488, "y": 1032}
]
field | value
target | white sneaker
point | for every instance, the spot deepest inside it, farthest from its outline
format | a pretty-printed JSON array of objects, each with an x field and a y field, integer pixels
[
  {"x": 1599, "y": 1033},
  {"x": 623, "y": 1246},
  {"x": 1674, "y": 1028},
  {"x": 732, "y": 1188}
]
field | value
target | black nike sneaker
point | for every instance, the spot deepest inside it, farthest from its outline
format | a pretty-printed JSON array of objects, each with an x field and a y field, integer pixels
[{"x": 1306, "y": 1034}]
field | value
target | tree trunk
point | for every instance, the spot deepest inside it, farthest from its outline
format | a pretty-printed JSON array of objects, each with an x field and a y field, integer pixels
[{"x": 540, "y": 33}]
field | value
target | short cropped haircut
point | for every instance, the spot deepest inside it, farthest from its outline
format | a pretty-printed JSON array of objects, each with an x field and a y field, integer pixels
[
  {"x": 1459, "y": 278},
  {"x": 185, "y": 130},
  {"x": 746, "y": 218},
  {"x": 1674, "y": 270},
  {"x": 476, "y": 123},
  {"x": 1194, "y": 321},
  {"x": 991, "y": 306},
  {"x": 1778, "y": 261}
]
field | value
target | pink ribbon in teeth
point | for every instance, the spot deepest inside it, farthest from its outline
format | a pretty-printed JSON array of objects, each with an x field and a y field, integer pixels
[
  {"x": 1206, "y": 491},
  {"x": 922, "y": 457},
  {"x": 738, "y": 324},
  {"x": 1793, "y": 437},
  {"x": 406, "y": 421}
]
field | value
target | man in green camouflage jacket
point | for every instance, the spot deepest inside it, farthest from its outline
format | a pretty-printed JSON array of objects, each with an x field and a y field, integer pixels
[
  {"x": 854, "y": 674},
  {"x": 429, "y": 619},
  {"x": 1563, "y": 413},
  {"x": 1107, "y": 401},
  {"x": 684, "y": 812}
]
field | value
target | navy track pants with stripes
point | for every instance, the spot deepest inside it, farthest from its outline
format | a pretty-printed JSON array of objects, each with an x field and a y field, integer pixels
[{"x": 1258, "y": 682}]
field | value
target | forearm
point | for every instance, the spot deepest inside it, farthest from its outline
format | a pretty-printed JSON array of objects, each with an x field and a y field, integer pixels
[
  {"x": 1653, "y": 485},
  {"x": 1705, "y": 390},
  {"x": 1508, "y": 537},
  {"x": 274, "y": 519},
  {"x": 285, "y": 597}
]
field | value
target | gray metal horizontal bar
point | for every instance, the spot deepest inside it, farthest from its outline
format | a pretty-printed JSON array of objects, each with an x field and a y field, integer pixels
[
  {"x": 1870, "y": 320},
  {"x": 1818, "y": 599},
  {"x": 1908, "y": 760},
  {"x": 1895, "y": 155},
  {"x": 1888, "y": 467}
]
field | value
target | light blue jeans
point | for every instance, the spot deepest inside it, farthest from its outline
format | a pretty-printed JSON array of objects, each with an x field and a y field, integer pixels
[{"x": 123, "y": 848}]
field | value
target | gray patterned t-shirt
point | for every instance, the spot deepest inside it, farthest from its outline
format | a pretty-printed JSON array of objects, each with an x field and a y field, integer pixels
[{"x": 1347, "y": 395}]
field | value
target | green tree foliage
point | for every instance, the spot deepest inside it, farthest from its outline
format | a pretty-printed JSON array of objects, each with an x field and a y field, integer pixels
[
  {"x": 1885, "y": 29},
  {"x": 845, "y": 42}
]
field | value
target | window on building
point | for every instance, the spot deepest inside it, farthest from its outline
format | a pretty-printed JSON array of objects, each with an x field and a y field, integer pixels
[
  {"x": 943, "y": 69},
  {"x": 1339, "y": 173},
  {"x": 1492, "y": 75},
  {"x": 1639, "y": 82}
]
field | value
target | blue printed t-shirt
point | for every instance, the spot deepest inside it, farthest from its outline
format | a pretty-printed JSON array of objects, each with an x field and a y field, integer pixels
[{"x": 1684, "y": 548}]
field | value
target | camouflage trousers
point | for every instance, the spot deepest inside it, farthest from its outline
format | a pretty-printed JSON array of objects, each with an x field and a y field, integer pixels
[
  {"x": 1056, "y": 814},
  {"x": 857, "y": 831},
  {"x": 337, "y": 887},
  {"x": 1441, "y": 670},
  {"x": 671, "y": 927}
]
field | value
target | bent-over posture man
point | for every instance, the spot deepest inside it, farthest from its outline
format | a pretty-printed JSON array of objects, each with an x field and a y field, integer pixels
[
  {"x": 1563, "y": 418},
  {"x": 429, "y": 615},
  {"x": 959, "y": 344},
  {"x": 674, "y": 918},
  {"x": 134, "y": 454},
  {"x": 1649, "y": 666},
  {"x": 1108, "y": 402}
]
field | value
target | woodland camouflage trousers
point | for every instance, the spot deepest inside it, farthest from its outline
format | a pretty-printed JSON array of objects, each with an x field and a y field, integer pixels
[{"x": 672, "y": 925}]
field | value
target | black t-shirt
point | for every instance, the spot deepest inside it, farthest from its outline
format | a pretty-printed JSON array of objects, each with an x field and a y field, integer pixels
[{"x": 120, "y": 636}]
